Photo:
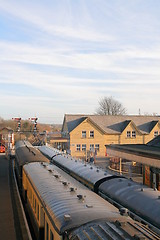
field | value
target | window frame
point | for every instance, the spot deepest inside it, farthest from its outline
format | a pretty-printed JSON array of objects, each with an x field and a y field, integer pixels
[
  {"x": 97, "y": 148},
  {"x": 91, "y": 135},
  {"x": 84, "y": 148},
  {"x": 78, "y": 147},
  {"x": 91, "y": 147},
  {"x": 133, "y": 135},
  {"x": 128, "y": 134},
  {"x": 155, "y": 133},
  {"x": 84, "y": 134}
]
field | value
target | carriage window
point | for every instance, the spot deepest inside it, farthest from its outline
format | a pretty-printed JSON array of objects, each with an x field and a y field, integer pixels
[
  {"x": 38, "y": 211},
  {"x": 51, "y": 235},
  {"x": 47, "y": 228}
]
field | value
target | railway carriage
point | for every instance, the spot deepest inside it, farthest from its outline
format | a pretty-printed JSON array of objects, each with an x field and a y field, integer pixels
[
  {"x": 26, "y": 153},
  {"x": 62, "y": 208},
  {"x": 141, "y": 201},
  {"x": 88, "y": 174}
]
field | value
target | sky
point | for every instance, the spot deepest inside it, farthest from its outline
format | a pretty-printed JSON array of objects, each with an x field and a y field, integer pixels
[{"x": 64, "y": 56}]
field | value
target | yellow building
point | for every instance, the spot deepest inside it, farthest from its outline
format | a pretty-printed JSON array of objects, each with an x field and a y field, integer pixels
[{"x": 90, "y": 133}]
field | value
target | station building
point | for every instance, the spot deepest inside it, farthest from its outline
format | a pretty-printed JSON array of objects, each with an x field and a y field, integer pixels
[
  {"x": 148, "y": 155},
  {"x": 90, "y": 133}
]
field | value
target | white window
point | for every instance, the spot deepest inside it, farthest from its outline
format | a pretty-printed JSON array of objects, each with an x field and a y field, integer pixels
[
  {"x": 128, "y": 134},
  {"x": 97, "y": 147},
  {"x": 83, "y": 147},
  {"x": 133, "y": 134},
  {"x": 91, "y": 147},
  {"x": 91, "y": 134},
  {"x": 78, "y": 147},
  {"x": 83, "y": 134},
  {"x": 155, "y": 133}
]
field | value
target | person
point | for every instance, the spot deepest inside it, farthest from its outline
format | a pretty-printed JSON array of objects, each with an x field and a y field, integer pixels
[{"x": 92, "y": 160}]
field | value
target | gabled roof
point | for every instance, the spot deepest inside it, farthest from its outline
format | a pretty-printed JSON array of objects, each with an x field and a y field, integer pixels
[
  {"x": 155, "y": 142},
  {"x": 114, "y": 124},
  {"x": 73, "y": 121}
]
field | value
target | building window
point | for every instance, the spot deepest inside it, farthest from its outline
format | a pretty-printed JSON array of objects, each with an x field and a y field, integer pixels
[
  {"x": 155, "y": 133},
  {"x": 91, "y": 147},
  {"x": 133, "y": 134},
  {"x": 78, "y": 147},
  {"x": 91, "y": 134},
  {"x": 83, "y": 134},
  {"x": 83, "y": 147},
  {"x": 128, "y": 134},
  {"x": 97, "y": 147}
]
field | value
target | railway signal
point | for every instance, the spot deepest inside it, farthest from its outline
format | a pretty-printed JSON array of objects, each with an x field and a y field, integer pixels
[
  {"x": 34, "y": 120},
  {"x": 18, "y": 120}
]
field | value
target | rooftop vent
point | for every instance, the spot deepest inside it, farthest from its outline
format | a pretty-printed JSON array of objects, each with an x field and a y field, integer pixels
[
  {"x": 80, "y": 197},
  {"x": 72, "y": 189},
  {"x": 123, "y": 211},
  {"x": 139, "y": 237},
  {"x": 56, "y": 176},
  {"x": 89, "y": 206},
  {"x": 121, "y": 224},
  {"x": 67, "y": 217},
  {"x": 65, "y": 183}
]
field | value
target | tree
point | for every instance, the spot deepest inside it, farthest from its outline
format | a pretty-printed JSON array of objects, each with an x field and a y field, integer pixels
[{"x": 110, "y": 106}]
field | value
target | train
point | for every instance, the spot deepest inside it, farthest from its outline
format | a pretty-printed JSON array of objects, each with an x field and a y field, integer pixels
[
  {"x": 61, "y": 208},
  {"x": 140, "y": 201}
]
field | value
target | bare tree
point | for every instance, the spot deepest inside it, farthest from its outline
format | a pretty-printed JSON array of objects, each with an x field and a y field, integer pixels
[{"x": 110, "y": 106}]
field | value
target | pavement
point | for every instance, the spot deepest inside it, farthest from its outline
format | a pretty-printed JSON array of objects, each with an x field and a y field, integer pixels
[
  {"x": 7, "y": 228},
  {"x": 104, "y": 164}
]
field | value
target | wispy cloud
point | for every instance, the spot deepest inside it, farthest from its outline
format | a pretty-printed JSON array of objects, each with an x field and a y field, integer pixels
[{"x": 66, "y": 55}]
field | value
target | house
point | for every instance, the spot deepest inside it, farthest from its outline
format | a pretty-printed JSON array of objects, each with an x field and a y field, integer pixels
[{"x": 90, "y": 133}]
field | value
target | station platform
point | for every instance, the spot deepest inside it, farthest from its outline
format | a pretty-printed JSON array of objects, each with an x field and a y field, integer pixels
[
  {"x": 7, "y": 229},
  {"x": 11, "y": 220}
]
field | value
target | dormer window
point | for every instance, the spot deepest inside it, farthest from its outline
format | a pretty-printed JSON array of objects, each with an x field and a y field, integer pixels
[
  {"x": 155, "y": 133},
  {"x": 128, "y": 134},
  {"x": 133, "y": 134}
]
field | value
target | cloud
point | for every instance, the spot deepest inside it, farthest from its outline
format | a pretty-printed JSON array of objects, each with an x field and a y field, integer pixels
[{"x": 73, "y": 53}]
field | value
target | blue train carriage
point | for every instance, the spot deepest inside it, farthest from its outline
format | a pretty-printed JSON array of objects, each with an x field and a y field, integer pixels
[
  {"x": 88, "y": 174},
  {"x": 26, "y": 153},
  {"x": 62, "y": 208},
  {"x": 139, "y": 199}
]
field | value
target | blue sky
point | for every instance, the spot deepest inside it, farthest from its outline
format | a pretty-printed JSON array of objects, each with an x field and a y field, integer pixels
[{"x": 63, "y": 56}]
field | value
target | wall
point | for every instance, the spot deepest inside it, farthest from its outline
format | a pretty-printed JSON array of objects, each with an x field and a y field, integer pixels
[{"x": 76, "y": 138}]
